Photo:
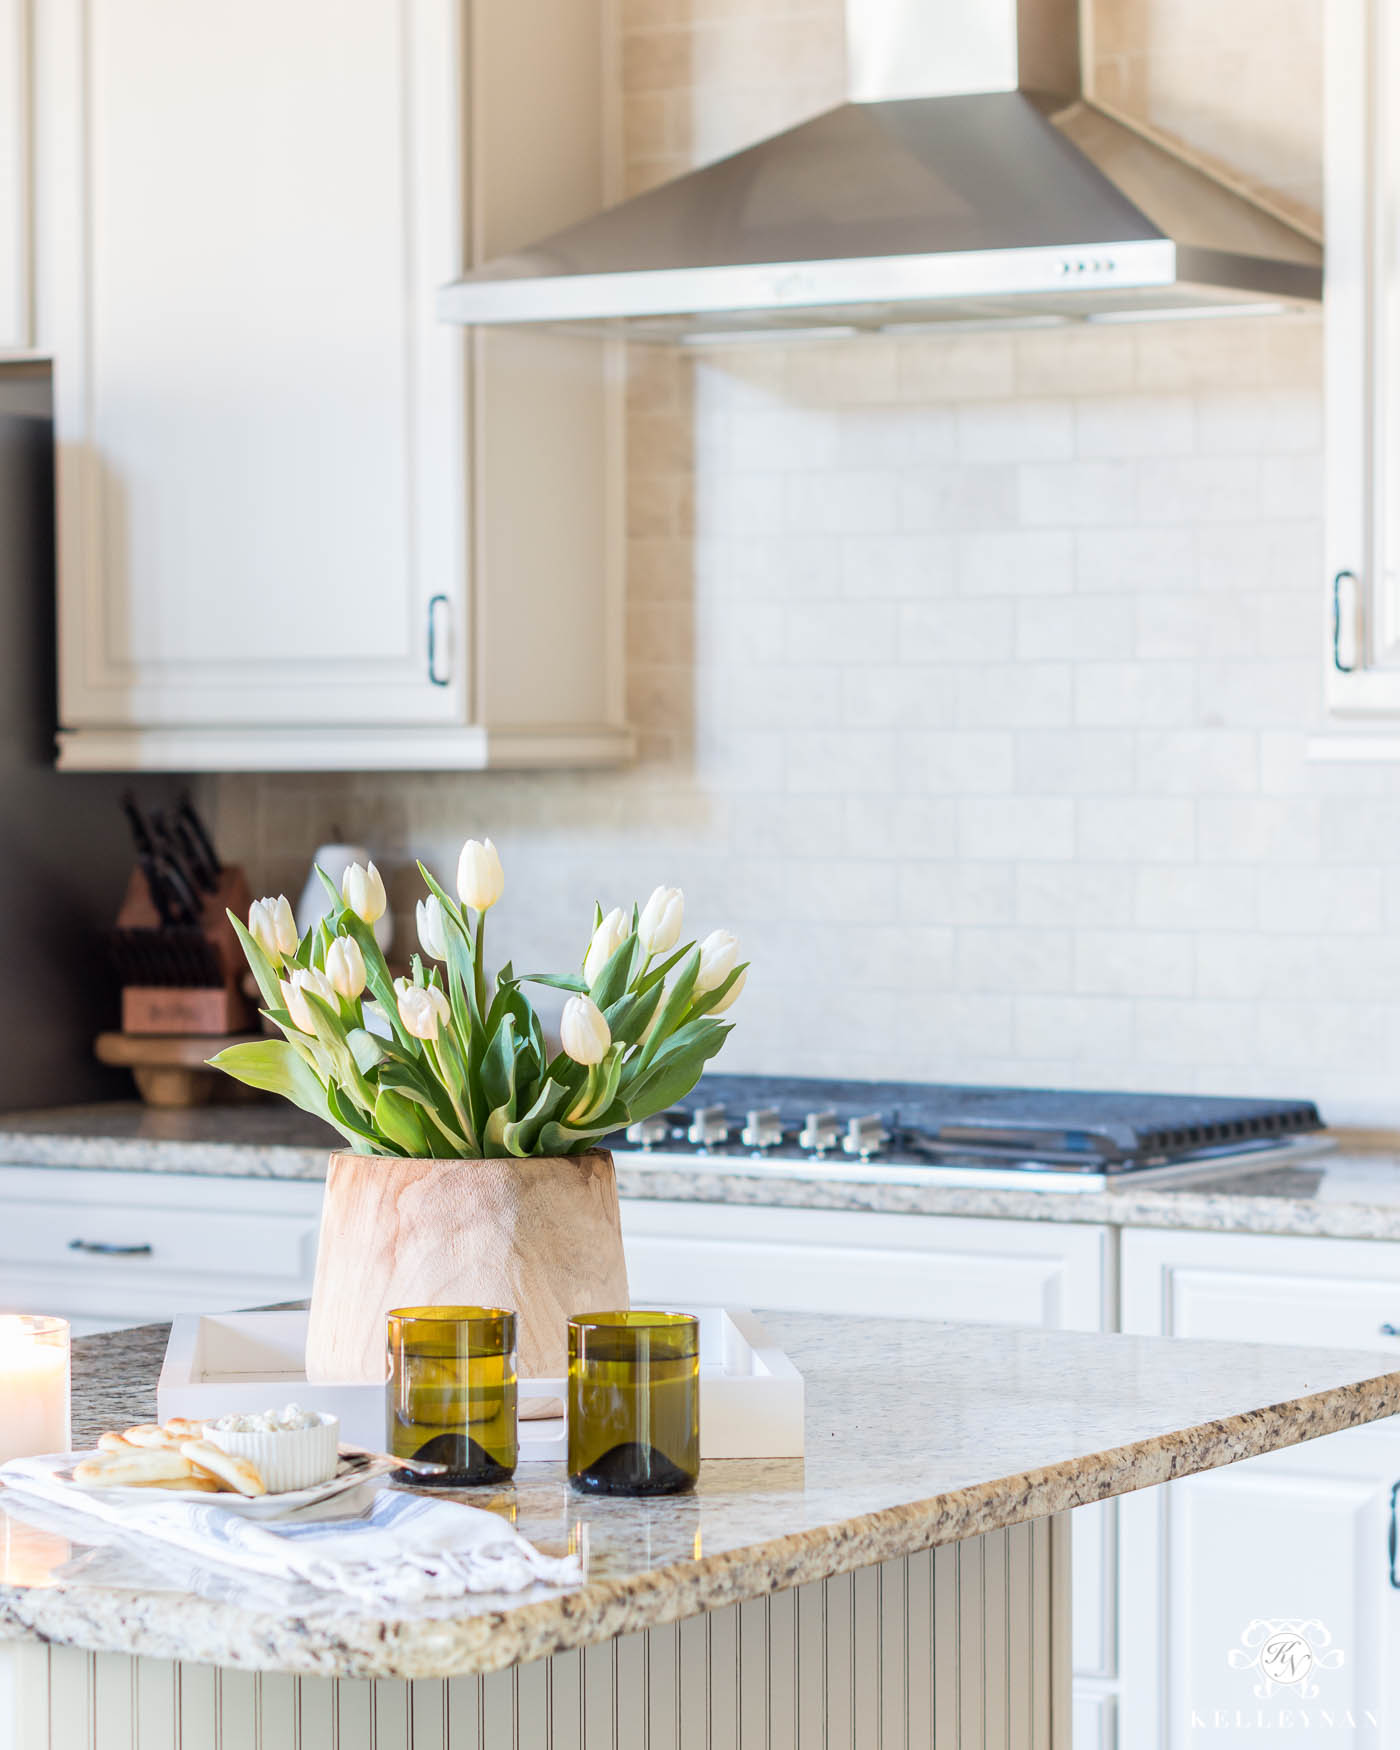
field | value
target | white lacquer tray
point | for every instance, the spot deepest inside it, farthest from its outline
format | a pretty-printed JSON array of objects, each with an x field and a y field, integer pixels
[{"x": 751, "y": 1398}]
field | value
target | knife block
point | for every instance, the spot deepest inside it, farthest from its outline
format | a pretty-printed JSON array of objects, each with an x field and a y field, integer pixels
[{"x": 187, "y": 979}]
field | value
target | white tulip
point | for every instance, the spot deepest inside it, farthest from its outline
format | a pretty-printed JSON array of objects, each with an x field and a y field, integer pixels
[
  {"x": 480, "y": 878},
  {"x": 363, "y": 891},
  {"x": 583, "y": 1032},
  {"x": 718, "y": 952},
  {"x": 262, "y": 927},
  {"x": 432, "y": 928},
  {"x": 285, "y": 923},
  {"x": 731, "y": 995},
  {"x": 345, "y": 967},
  {"x": 659, "y": 926},
  {"x": 423, "y": 1009},
  {"x": 294, "y": 990},
  {"x": 606, "y": 940}
]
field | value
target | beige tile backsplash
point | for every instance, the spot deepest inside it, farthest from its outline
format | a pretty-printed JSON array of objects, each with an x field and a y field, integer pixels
[{"x": 972, "y": 675}]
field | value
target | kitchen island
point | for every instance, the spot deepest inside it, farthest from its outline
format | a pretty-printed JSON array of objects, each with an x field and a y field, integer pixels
[{"x": 906, "y": 1583}]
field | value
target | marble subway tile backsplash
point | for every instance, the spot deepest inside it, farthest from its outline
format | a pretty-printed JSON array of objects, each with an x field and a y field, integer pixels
[
  {"x": 993, "y": 756},
  {"x": 972, "y": 673}
]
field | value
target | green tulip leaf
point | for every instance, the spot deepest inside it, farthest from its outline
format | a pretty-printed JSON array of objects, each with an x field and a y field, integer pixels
[
  {"x": 262, "y": 968},
  {"x": 612, "y": 982},
  {"x": 273, "y": 1066},
  {"x": 570, "y": 981},
  {"x": 672, "y": 1010},
  {"x": 401, "y": 1120},
  {"x": 630, "y": 1016}
]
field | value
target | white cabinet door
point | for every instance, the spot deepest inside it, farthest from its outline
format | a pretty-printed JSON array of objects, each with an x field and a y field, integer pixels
[
  {"x": 1274, "y": 1610},
  {"x": 245, "y": 212},
  {"x": 15, "y": 240},
  {"x": 1298, "y": 1539},
  {"x": 303, "y": 523},
  {"x": 1048, "y": 1274},
  {"x": 1362, "y": 317},
  {"x": 112, "y": 1248}
]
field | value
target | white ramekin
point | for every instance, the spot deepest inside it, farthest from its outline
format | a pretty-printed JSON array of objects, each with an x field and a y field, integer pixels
[{"x": 289, "y": 1458}]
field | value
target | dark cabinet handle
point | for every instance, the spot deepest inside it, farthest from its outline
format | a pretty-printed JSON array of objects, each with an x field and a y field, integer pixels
[
  {"x": 1337, "y": 663},
  {"x": 105, "y": 1250},
  {"x": 436, "y": 679},
  {"x": 1394, "y": 1539}
]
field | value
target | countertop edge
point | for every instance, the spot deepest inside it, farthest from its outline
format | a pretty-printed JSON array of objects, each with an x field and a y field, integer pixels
[{"x": 127, "y": 1622}]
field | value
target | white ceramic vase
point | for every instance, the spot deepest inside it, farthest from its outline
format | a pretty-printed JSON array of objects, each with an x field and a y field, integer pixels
[{"x": 315, "y": 902}]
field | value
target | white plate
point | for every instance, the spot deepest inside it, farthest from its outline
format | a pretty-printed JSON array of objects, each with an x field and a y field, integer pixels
[{"x": 355, "y": 1467}]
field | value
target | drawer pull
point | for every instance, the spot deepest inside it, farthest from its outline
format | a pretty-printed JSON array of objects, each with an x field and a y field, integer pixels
[
  {"x": 105, "y": 1250},
  {"x": 1394, "y": 1539},
  {"x": 1390, "y": 1330}
]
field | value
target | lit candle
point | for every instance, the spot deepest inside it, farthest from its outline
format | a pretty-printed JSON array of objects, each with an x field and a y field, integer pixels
[{"x": 33, "y": 1386}]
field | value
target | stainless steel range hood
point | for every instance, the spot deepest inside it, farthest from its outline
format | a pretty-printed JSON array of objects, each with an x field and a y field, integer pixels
[{"x": 968, "y": 179}]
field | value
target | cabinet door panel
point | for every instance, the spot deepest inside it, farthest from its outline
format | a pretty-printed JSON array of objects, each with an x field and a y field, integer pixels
[
  {"x": 255, "y": 399},
  {"x": 14, "y": 177},
  {"x": 1291, "y": 1545},
  {"x": 1298, "y": 1536},
  {"x": 1255, "y": 1288}
]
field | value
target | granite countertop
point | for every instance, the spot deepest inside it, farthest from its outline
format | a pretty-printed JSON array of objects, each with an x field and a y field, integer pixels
[
  {"x": 1349, "y": 1192},
  {"x": 918, "y": 1434}
]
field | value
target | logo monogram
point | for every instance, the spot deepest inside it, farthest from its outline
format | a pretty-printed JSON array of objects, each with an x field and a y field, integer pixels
[{"x": 1286, "y": 1652}]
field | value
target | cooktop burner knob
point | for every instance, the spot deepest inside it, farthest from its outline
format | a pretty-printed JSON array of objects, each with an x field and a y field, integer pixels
[
  {"x": 709, "y": 1126},
  {"x": 821, "y": 1132},
  {"x": 650, "y": 1130},
  {"x": 763, "y": 1130},
  {"x": 864, "y": 1136}
]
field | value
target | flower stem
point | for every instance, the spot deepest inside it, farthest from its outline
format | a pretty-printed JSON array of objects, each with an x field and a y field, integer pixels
[
  {"x": 435, "y": 1058},
  {"x": 478, "y": 967}
]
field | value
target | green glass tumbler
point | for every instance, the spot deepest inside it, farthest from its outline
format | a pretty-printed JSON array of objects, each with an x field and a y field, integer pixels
[
  {"x": 451, "y": 1396},
  {"x": 634, "y": 1403}
]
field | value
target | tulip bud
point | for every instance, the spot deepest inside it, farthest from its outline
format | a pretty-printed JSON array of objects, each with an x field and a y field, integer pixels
[
  {"x": 432, "y": 928},
  {"x": 606, "y": 940},
  {"x": 423, "y": 1009},
  {"x": 284, "y": 919},
  {"x": 583, "y": 1032},
  {"x": 363, "y": 891},
  {"x": 718, "y": 952},
  {"x": 304, "y": 979},
  {"x": 262, "y": 927},
  {"x": 731, "y": 995},
  {"x": 480, "y": 878},
  {"x": 659, "y": 926},
  {"x": 345, "y": 967}
]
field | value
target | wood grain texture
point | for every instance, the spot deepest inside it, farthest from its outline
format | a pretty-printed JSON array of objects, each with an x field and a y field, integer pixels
[{"x": 541, "y": 1237}]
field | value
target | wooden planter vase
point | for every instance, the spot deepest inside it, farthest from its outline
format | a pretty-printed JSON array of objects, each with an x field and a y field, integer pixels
[{"x": 541, "y": 1237}]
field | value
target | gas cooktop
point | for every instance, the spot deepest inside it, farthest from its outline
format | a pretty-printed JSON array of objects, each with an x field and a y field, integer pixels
[{"x": 1055, "y": 1139}]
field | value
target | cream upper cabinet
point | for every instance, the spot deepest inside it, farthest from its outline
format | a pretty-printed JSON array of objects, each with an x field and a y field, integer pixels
[
  {"x": 1363, "y": 363},
  {"x": 303, "y": 523},
  {"x": 15, "y": 260}
]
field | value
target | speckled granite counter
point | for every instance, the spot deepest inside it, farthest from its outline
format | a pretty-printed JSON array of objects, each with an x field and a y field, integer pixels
[
  {"x": 1348, "y": 1193},
  {"x": 918, "y": 1435}
]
